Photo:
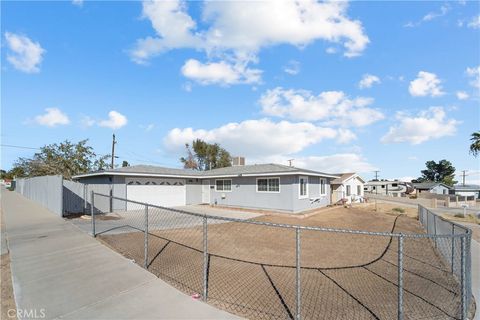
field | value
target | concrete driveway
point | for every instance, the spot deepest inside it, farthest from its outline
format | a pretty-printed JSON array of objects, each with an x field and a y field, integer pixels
[
  {"x": 220, "y": 212},
  {"x": 158, "y": 219}
]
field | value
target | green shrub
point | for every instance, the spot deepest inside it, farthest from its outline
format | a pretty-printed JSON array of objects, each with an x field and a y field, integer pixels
[{"x": 401, "y": 210}]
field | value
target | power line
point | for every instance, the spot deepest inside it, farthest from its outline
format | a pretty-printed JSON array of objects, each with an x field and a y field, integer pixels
[{"x": 18, "y": 147}]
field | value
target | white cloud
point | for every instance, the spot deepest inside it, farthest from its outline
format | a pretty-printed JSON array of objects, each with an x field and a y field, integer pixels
[
  {"x": 221, "y": 73},
  {"x": 334, "y": 107},
  {"x": 255, "y": 138},
  {"x": 25, "y": 55},
  {"x": 346, "y": 136},
  {"x": 260, "y": 24},
  {"x": 335, "y": 163},
  {"x": 413, "y": 158},
  {"x": 406, "y": 179},
  {"x": 462, "y": 95},
  {"x": 474, "y": 73},
  {"x": 148, "y": 127},
  {"x": 331, "y": 50},
  {"x": 368, "y": 80},
  {"x": 427, "y": 125},
  {"x": 115, "y": 120},
  {"x": 474, "y": 23},
  {"x": 426, "y": 84},
  {"x": 433, "y": 15},
  {"x": 240, "y": 37},
  {"x": 78, "y": 3},
  {"x": 187, "y": 87},
  {"x": 292, "y": 68},
  {"x": 87, "y": 121},
  {"x": 52, "y": 117},
  {"x": 444, "y": 9}
]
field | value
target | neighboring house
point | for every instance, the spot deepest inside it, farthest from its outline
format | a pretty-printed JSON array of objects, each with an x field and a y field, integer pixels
[
  {"x": 432, "y": 187},
  {"x": 348, "y": 187},
  {"x": 466, "y": 190},
  {"x": 263, "y": 186},
  {"x": 388, "y": 188}
]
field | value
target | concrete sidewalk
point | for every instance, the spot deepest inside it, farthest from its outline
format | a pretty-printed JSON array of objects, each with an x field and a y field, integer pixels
[{"x": 62, "y": 272}]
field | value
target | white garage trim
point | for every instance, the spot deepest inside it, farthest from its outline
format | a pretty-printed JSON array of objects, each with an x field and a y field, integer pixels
[{"x": 156, "y": 191}]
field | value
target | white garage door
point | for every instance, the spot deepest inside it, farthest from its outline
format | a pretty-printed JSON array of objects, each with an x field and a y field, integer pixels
[{"x": 156, "y": 191}]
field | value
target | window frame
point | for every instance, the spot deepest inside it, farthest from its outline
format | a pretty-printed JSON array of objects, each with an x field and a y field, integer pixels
[
  {"x": 359, "y": 190},
  {"x": 223, "y": 185},
  {"x": 305, "y": 196},
  {"x": 267, "y": 178},
  {"x": 323, "y": 183},
  {"x": 348, "y": 190}
]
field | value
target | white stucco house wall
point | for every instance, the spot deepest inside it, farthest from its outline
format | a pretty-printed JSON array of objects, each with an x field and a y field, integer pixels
[{"x": 349, "y": 186}]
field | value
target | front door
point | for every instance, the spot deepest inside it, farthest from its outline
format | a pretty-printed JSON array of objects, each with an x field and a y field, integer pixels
[{"x": 206, "y": 191}]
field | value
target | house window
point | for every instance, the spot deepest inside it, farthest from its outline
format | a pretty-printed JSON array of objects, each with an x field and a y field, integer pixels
[
  {"x": 322, "y": 186},
  {"x": 383, "y": 186},
  {"x": 359, "y": 190},
  {"x": 348, "y": 191},
  {"x": 303, "y": 187},
  {"x": 394, "y": 184},
  {"x": 223, "y": 185},
  {"x": 268, "y": 185}
]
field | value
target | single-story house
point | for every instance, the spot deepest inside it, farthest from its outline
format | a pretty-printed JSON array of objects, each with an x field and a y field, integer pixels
[
  {"x": 260, "y": 186},
  {"x": 349, "y": 186},
  {"x": 432, "y": 187},
  {"x": 466, "y": 190}
]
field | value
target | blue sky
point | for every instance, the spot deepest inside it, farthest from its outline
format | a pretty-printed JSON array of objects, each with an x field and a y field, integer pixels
[{"x": 270, "y": 81}]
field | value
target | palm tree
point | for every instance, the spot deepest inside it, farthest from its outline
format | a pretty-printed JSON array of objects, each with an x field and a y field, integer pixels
[{"x": 475, "y": 146}]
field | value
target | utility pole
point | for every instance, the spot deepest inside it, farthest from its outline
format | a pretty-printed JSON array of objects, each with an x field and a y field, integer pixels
[
  {"x": 376, "y": 174},
  {"x": 113, "y": 151},
  {"x": 463, "y": 176},
  {"x": 290, "y": 162}
]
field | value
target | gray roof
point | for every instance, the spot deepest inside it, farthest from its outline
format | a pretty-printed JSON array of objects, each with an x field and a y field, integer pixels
[
  {"x": 428, "y": 185},
  {"x": 156, "y": 170},
  {"x": 469, "y": 187},
  {"x": 260, "y": 169}
]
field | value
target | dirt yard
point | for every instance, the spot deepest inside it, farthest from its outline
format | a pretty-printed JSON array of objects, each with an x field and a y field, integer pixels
[{"x": 251, "y": 268}]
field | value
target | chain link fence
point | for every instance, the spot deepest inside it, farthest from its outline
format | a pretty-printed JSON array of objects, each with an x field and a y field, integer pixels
[{"x": 264, "y": 270}]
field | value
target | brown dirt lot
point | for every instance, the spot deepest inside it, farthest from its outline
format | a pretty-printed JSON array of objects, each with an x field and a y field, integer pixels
[
  {"x": 6, "y": 295},
  {"x": 8, "y": 300},
  {"x": 344, "y": 276}
]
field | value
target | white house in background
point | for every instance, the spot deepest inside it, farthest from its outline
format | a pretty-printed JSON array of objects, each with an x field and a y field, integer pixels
[
  {"x": 432, "y": 187},
  {"x": 388, "y": 188},
  {"x": 467, "y": 190},
  {"x": 349, "y": 186}
]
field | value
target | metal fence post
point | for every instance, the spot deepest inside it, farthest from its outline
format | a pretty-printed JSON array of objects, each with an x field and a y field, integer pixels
[
  {"x": 146, "y": 237},
  {"x": 435, "y": 228},
  {"x": 205, "y": 258},
  {"x": 400, "y": 277},
  {"x": 92, "y": 211},
  {"x": 463, "y": 278},
  {"x": 428, "y": 213},
  {"x": 297, "y": 276},
  {"x": 453, "y": 246}
]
